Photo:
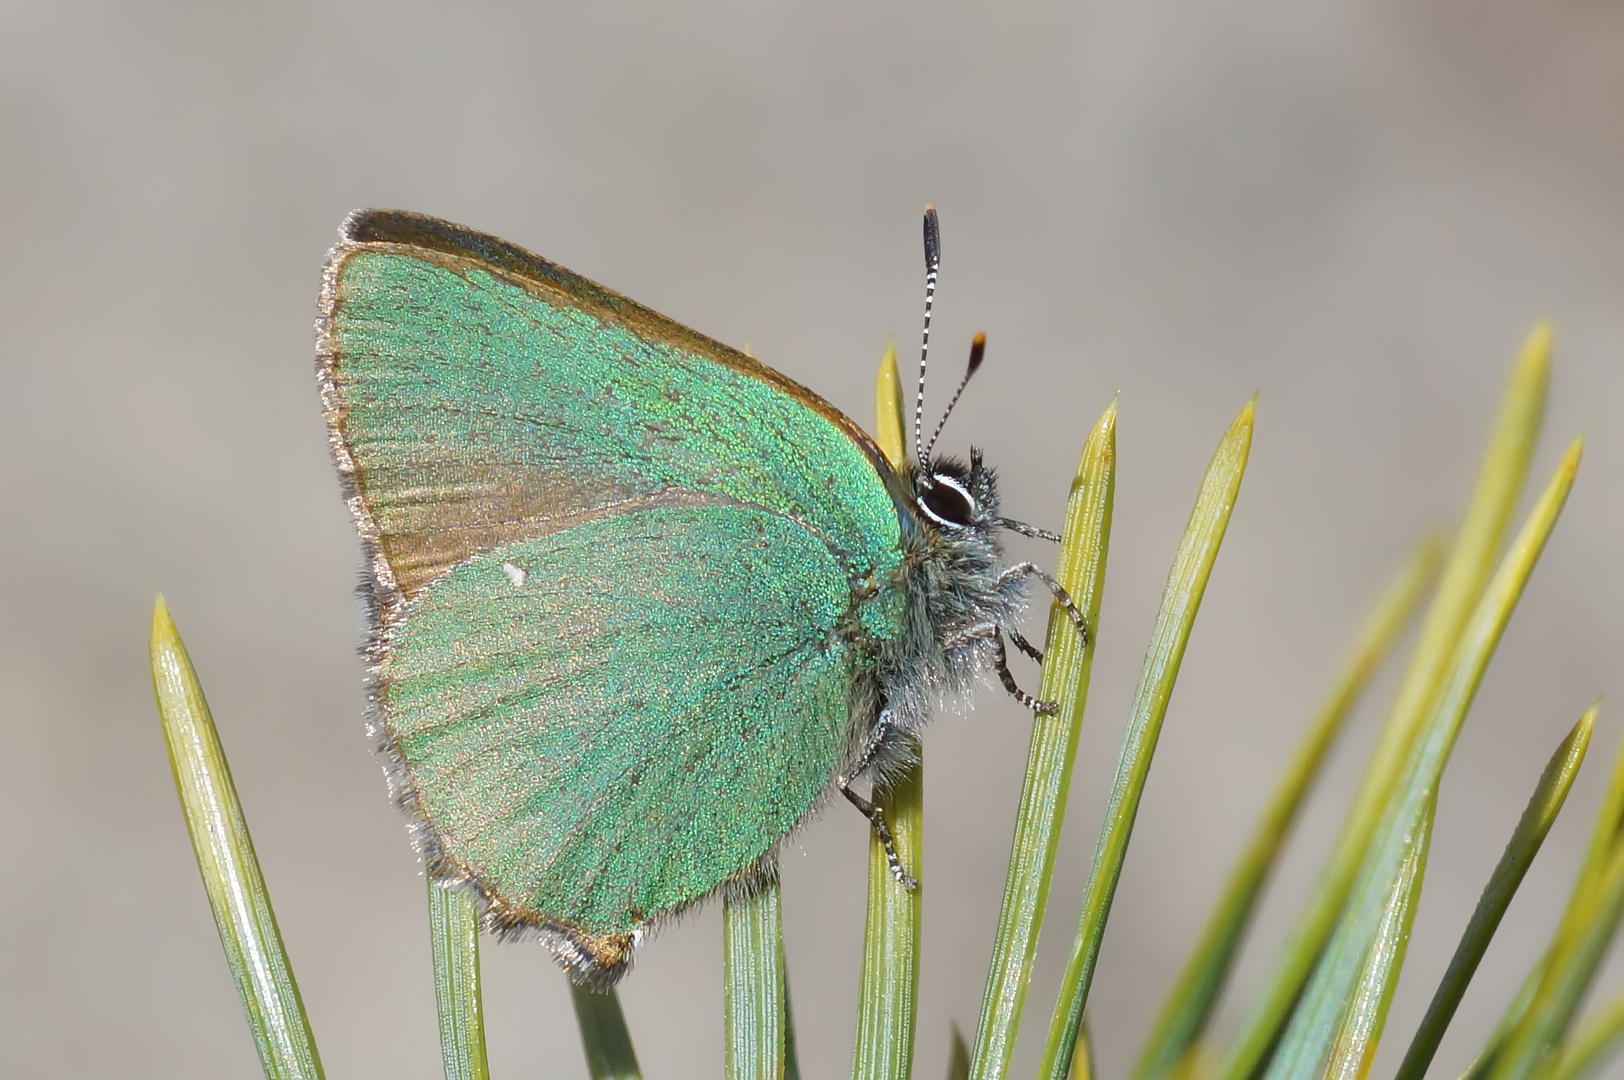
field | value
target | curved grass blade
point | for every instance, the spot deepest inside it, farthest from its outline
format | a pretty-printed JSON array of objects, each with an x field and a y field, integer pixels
[
  {"x": 1499, "y": 485},
  {"x": 1335, "y": 1027},
  {"x": 225, "y": 858},
  {"x": 755, "y": 1004},
  {"x": 1593, "y": 1044},
  {"x": 604, "y": 1037},
  {"x": 1536, "y": 821},
  {"x": 1603, "y": 836},
  {"x": 889, "y": 993},
  {"x": 1184, "y": 1017},
  {"x": 1181, "y": 599},
  {"x": 1052, "y": 752},
  {"x": 454, "y": 930}
]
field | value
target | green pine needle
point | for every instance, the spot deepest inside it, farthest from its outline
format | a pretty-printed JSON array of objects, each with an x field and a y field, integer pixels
[
  {"x": 888, "y": 996},
  {"x": 1580, "y": 946},
  {"x": 1042, "y": 808},
  {"x": 1591, "y": 1046},
  {"x": 454, "y": 932},
  {"x": 225, "y": 857},
  {"x": 1184, "y": 1018},
  {"x": 604, "y": 1037},
  {"x": 755, "y": 1004},
  {"x": 1181, "y": 599},
  {"x": 1365, "y": 1012},
  {"x": 792, "y": 1065},
  {"x": 1536, "y": 821},
  {"x": 1533, "y": 1029},
  {"x": 1609, "y": 821},
  {"x": 1499, "y": 485},
  {"x": 1334, "y": 1028},
  {"x": 1082, "y": 1058},
  {"x": 958, "y": 1059}
]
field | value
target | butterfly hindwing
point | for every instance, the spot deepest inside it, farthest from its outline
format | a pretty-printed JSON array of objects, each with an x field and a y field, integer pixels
[
  {"x": 619, "y": 576},
  {"x": 593, "y": 781}
]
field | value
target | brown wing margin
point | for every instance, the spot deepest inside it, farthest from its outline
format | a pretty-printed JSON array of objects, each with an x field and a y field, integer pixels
[{"x": 531, "y": 271}]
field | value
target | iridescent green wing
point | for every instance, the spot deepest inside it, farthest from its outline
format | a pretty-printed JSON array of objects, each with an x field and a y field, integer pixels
[
  {"x": 615, "y": 570},
  {"x": 478, "y": 394},
  {"x": 604, "y": 724}
]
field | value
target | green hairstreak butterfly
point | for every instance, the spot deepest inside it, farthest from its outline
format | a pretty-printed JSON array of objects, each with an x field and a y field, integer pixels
[{"x": 638, "y": 602}]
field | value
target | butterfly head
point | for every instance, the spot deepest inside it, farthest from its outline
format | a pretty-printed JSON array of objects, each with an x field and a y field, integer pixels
[{"x": 957, "y": 499}]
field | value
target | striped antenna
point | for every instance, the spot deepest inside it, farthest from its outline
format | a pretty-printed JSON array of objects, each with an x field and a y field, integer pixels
[
  {"x": 978, "y": 349},
  {"x": 933, "y": 263}
]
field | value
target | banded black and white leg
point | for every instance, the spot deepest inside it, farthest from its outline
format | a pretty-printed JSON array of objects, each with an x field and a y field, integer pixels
[
  {"x": 1062, "y": 597},
  {"x": 996, "y": 633},
  {"x": 1023, "y": 645},
  {"x": 1028, "y": 530},
  {"x": 1001, "y": 665},
  {"x": 990, "y": 631},
  {"x": 885, "y": 726}
]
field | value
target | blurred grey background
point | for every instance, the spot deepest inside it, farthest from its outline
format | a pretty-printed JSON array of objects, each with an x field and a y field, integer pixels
[{"x": 1358, "y": 208}]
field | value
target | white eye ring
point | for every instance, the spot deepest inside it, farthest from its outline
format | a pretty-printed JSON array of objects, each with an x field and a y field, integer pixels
[{"x": 952, "y": 484}]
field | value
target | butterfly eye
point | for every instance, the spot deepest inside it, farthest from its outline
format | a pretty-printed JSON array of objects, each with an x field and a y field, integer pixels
[{"x": 947, "y": 503}]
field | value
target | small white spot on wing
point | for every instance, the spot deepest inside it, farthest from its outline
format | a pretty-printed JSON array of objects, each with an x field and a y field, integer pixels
[{"x": 515, "y": 574}]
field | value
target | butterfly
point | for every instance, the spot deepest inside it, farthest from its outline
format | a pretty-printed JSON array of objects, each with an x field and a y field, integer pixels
[{"x": 638, "y": 603}]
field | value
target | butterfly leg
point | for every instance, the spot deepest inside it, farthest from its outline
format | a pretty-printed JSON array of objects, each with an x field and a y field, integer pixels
[
  {"x": 1027, "y": 530},
  {"x": 1025, "y": 646},
  {"x": 883, "y": 726},
  {"x": 876, "y": 818},
  {"x": 1001, "y": 664},
  {"x": 1062, "y": 597},
  {"x": 983, "y": 631}
]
